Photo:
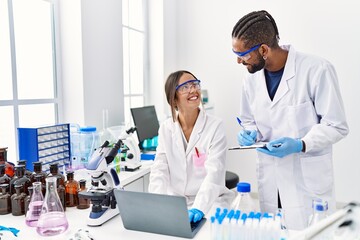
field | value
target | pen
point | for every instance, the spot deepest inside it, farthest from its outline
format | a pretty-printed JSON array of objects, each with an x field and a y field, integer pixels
[
  {"x": 197, "y": 152},
  {"x": 239, "y": 121}
]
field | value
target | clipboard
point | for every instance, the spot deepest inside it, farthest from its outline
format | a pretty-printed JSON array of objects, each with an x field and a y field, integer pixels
[{"x": 256, "y": 145}]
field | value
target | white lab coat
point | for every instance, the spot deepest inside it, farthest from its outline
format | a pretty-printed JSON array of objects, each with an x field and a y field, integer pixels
[
  {"x": 307, "y": 105},
  {"x": 174, "y": 173}
]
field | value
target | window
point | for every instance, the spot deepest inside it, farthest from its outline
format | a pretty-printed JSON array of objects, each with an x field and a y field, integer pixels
[
  {"x": 134, "y": 54},
  {"x": 28, "y": 74}
]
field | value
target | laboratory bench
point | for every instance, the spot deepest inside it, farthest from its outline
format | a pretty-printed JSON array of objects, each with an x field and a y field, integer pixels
[
  {"x": 113, "y": 229},
  {"x": 137, "y": 180}
]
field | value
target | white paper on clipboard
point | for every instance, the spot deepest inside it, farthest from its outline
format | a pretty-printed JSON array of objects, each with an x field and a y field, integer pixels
[{"x": 256, "y": 145}]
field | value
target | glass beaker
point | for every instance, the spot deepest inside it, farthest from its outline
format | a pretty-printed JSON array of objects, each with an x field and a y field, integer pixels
[
  {"x": 35, "y": 205},
  {"x": 52, "y": 220}
]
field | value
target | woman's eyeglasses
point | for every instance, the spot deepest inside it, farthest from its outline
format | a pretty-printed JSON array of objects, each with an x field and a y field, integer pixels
[{"x": 185, "y": 87}]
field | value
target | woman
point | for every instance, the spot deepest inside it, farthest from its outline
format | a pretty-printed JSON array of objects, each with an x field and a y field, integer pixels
[{"x": 190, "y": 157}]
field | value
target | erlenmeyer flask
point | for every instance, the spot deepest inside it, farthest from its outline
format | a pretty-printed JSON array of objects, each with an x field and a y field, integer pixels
[
  {"x": 36, "y": 202},
  {"x": 52, "y": 220}
]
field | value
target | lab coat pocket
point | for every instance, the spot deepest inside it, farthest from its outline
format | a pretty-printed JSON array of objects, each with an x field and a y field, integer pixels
[
  {"x": 302, "y": 117},
  {"x": 199, "y": 159},
  {"x": 317, "y": 173}
]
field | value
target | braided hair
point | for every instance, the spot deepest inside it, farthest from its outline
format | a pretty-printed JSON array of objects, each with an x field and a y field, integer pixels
[{"x": 257, "y": 27}]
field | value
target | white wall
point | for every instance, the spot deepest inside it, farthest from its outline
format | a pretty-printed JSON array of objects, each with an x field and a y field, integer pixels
[
  {"x": 326, "y": 28},
  {"x": 196, "y": 35},
  {"x": 91, "y": 63}
]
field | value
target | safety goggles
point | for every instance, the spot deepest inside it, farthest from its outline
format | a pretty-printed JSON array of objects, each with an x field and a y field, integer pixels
[
  {"x": 185, "y": 87},
  {"x": 244, "y": 56}
]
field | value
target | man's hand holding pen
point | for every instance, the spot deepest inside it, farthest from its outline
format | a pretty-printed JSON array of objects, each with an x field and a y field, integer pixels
[{"x": 246, "y": 137}]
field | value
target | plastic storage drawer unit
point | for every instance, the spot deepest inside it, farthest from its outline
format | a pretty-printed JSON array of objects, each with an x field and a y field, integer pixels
[{"x": 47, "y": 144}]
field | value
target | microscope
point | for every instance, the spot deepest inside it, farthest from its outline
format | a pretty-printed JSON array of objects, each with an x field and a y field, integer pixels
[
  {"x": 131, "y": 151},
  {"x": 104, "y": 179}
]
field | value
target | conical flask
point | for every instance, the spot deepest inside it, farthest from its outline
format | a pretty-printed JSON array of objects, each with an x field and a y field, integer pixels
[
  {"x": 35, "y": 205},
  {"x": 52, "y": 220}
]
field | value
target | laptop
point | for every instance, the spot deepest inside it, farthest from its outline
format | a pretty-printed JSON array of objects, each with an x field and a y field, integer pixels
[{"x": 156, "y": 213}]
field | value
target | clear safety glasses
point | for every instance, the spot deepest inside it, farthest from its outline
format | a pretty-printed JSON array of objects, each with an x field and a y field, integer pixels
[
  {"x": 244, "y": 56},
  {"x": 185, "y": 87}
]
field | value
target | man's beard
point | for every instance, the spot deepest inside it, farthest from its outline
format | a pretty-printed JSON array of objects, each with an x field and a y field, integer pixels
[{"x": 253, "y": 68}]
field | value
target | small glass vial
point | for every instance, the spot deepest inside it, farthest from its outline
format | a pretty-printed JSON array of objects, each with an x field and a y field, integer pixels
[
  {"x": 52, "y": 219},
  {"x": 71, "y": 190},
  {"x": 4, "y": 178},
  {"x": 28, "y": 199},
  {"x": 5, "y": 199},
  {"x": 83, "y": 202},
  {"x": 18, "y": 201},
  {"x": 36, "y": 202}
]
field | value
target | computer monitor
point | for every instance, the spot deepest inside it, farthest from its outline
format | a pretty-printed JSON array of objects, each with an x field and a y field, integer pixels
[{"x": 146, "y": 123}]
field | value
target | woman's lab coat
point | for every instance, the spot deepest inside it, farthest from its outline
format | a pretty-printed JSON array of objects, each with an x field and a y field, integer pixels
[
  {"x": 307, "y": 105},
  {"x": 174, "y": 171}
]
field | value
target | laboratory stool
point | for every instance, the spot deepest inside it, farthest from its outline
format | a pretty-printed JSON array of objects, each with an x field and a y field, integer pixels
[{"x": 231, "y": 179}]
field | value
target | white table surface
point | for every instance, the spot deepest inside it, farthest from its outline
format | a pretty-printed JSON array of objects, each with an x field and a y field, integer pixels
[{"x": 113, "y": 229}]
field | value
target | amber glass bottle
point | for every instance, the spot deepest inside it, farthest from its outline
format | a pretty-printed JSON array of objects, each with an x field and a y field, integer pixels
[
  {"x": 38, "y": 172},
  {"x": 4, "y": 178},
  {"x": 5, "y": 199},
  {"x": 18, "y": 201},
  {"x": 71, "y": 190},
  {"x": 20, "y": 179},
  {"x": 28, "y": 173},
  {"x": 54, "y": 171},
  {"x": 83, "y": 202},
  {"x": 9, "y": 167}
]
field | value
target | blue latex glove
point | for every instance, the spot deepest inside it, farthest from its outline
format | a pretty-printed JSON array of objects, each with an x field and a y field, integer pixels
[
  {"x": 195, "y": 215},
  {"x": 246, "y": 137},
  {"x": 282, "y": 147}
]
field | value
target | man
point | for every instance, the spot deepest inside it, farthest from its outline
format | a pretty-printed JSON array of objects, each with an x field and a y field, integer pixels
[{"x": 292, "y": 101}]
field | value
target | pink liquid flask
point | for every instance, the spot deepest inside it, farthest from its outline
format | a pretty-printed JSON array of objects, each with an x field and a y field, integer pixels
[{"x": 52, "y": 220}]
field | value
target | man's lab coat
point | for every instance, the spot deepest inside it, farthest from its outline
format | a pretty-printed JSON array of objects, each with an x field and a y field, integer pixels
[{"x": 307, "y": 105}]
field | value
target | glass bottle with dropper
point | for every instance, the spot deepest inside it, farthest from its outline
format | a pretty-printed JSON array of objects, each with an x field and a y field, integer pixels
[
  {"x": 17, "y": 201},
  {"x": 83, "y": 202},
  {"x": 36, "y": 202},
  {"x": 4, "y": 178},
  {"x": 28, "y": 173},
  {"x": 52, "y": 219},
  {"x": 5, "y": 199},
  {"x": 71, "y": 190}
]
